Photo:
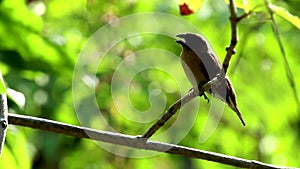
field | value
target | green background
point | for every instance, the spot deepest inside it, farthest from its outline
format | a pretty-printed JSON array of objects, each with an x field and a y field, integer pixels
[{"x": 39, "y": 45}]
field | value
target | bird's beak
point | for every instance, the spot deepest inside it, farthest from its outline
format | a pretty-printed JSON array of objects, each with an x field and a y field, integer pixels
[
  {"x": 237, "y": 111},
  {"x": 180, "y": 35},
  {"x": 180, "y": 41}
]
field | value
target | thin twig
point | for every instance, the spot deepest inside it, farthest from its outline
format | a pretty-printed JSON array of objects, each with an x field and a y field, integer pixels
[
  {"x": 243, "y": 16},
  {"x": 132, "y": 141},
  {"x": 288, "y": 70}
]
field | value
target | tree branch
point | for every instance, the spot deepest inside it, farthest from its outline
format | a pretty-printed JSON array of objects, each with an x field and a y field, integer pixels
[
  {"x": 170, "y": 112},
  {"x": 3, "y": 119},
  {"x": 234, "y": 37},
  {"x": 132, "y": 141},
  {"x": 234, "y": 19}
]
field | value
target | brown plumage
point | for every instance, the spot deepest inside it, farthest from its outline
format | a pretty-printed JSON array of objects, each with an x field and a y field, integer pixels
[{"x": 201, "y": 65}]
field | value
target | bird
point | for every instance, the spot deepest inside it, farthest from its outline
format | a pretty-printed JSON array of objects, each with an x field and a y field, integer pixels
[{"x": 201, "y": 65}]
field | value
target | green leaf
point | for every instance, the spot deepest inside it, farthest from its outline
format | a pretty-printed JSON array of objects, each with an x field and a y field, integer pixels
[
  {"x": 2, "y": 85},
  {"x": 17, "y": 97},
  {"x": 247, "y": 6},
  {"x": 243, "y": 4},
  {"x": 282, "y": 12}
]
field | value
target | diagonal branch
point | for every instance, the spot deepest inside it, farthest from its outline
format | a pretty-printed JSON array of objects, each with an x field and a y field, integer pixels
[
  {"x": 288, "y": 70},
  {"x": 170, "y": 112},
  {"x": 178, "y": 104},
  {"x": 132, "y": 141}
]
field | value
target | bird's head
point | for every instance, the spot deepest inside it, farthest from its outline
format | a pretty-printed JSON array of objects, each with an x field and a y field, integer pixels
[{"x": 194, "y": 41}]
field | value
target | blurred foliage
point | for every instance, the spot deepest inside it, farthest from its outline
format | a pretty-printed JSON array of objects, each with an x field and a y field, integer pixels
[{"x": 39, "y": 45}]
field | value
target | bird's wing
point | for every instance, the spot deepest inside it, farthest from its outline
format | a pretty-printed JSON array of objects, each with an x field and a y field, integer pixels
[{"x": 211, "y": 64}]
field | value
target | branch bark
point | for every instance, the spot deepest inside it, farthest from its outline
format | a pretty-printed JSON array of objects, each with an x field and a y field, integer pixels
[
  {"x": 170, "y": 112},
  {"x": 3, "y": 120},
  {"x": 133, "y": 141},
  {"x": 178, "y": 104},
  {"x": 234, "y": 19}
]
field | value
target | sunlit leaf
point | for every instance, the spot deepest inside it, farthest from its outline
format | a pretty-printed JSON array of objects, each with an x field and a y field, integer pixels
[
  {"x": 16, "y": 143},
  {"x": 285, "y": 15},
  {"x": 2, "y": 84},
  {"x": 247, "y": 5},
  {"x": 17, "y": 97},
  {"x": 8, "y": 159},
  {"x": 188, "y": 7},
  {"x": 243, "y": 4}
]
